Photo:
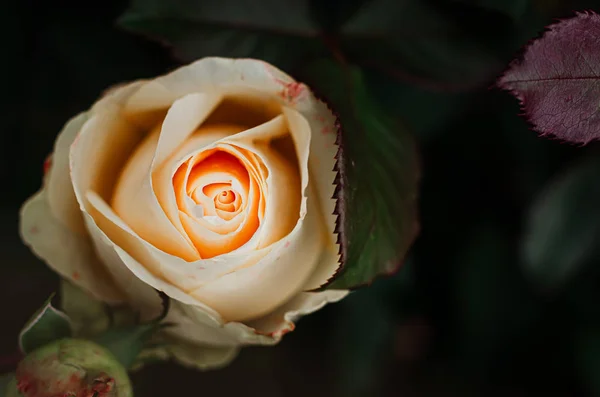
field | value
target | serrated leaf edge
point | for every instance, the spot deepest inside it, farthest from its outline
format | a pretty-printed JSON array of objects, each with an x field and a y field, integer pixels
[{"x": 340, "y": 209}]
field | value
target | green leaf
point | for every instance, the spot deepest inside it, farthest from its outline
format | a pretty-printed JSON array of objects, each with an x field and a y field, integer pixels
[
  {"x": 47, "y": 324},
  {"x": 426, "y": 113},
  {"x": 409, "y": 39},
  {"x": 332, "y": 15},
  {"x": 514, "y": 9},
  {"x": 414, "y": 41},
  {"x": 562, "y": 234},
  {"x": 378, "y": 174},
  {"x": 275, "y": 31}
]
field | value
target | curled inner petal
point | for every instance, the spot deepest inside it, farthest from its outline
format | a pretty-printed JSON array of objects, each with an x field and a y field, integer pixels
[
  {"x": 226, "y": 197},
  {"x": 218, "y": 199}
]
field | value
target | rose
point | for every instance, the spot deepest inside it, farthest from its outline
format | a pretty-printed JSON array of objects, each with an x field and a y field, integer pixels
[{"x": 214, "y": 184}]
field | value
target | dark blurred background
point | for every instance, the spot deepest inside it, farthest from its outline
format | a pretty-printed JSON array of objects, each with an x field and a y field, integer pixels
[{"x": 500, "y": 294}]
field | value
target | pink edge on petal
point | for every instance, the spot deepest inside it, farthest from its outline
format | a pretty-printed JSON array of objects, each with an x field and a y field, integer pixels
[
  {"x": 279, "y": 333},
  {"x": 47, "y": 164}
]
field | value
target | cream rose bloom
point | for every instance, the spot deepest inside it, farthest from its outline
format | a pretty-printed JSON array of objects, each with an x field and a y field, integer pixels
[{"x": 214, "y": 184}]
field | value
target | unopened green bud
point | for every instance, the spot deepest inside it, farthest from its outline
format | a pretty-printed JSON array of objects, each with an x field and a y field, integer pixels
[{"x": 70, "y": 368}]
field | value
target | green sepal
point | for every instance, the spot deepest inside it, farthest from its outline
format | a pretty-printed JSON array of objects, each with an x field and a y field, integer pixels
[
  {"x": 46, "y": 325},
  {"x": 127, "y": 342}
]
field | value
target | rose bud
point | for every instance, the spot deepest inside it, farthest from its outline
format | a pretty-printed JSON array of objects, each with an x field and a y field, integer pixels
[{"x": 70, "y": 368}]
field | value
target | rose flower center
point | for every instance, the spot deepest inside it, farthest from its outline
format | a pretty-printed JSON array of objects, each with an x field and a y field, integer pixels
[{"x": 218, "y": 201}]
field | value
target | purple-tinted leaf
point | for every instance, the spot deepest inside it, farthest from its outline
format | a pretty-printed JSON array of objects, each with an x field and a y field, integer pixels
[{"x": 558, "y": 80}]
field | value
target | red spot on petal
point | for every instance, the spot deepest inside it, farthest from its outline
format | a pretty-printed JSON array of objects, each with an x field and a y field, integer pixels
[
  {"x": 326, "y": 130},
  {"x": 291, "y": 91},
  {"x": 287, "y": 244},
  {"x": 34, "y": 230},
  {"x": 76, "y": 275},
  {"x": 47, "y": 164}
]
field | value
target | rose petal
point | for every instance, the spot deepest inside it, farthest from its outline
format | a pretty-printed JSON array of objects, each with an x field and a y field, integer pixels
[
  {"x": 52, "y": 225},
  {"x": 255, "y": 290},
  {"x": 285, "y": 189},
  {"x": 59, "y": 187},
  {"x": 205, "y": 324},
  {"x": 183, "y": 118},
  {"x": 193, "y": 321},
  {"x": 201, "y": 325},
  {"x": 136, "y": 279},
  {"x": 201, "y": 357},
  {"x": 169, "y": 180},
  {"x": 237, "y": 295},
  {"x": 208, "y": 75},
  {"x": 281, "y": 321},
  {"x": 135, "y": 202},
  {"x": 102, "y": 146},
  {"x": 187, "y": 275},
  {"x": 156, "y": 218},
  {"x": 69, "y": 253}
]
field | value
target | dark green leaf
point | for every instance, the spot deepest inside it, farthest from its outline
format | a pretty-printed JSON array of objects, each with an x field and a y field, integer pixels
[
  {"x": 563, "y": 229},
  {"x": 427, "y": 113},
  {"x": 378, "y": 178},
  {"x": 415, "y": 42},
  {"x": 332, "y": 15},
  {"x": 275, "y": 31},
  {"x": 514, "y": 9},
  {"x": 46, "y": 325}
]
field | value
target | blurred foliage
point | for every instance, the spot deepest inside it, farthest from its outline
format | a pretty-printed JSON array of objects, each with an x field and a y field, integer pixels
[
  {"x": 563, "y": 234},
  {"x": 506, "y": 218}
]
